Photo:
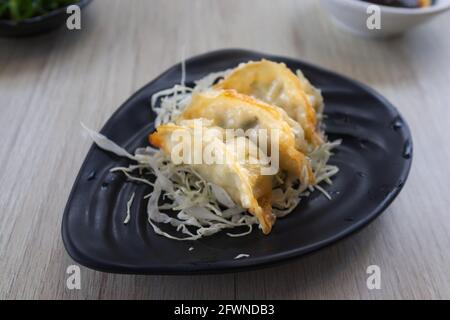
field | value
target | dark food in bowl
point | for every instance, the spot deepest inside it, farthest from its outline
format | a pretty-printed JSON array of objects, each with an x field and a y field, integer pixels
[
  {"x": 18, "y": 10},
  {"x": 403, "y": 3}
]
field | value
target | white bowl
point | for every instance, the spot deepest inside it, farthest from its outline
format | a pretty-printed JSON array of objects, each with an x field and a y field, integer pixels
[{"x": 352, "y": 16}]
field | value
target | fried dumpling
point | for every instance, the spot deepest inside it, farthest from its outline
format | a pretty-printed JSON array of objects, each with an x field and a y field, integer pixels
[
  {"x": 276, "y": 84},
  {"x": 314, "y": 95},
  {"x": 231, "y": 110},
  {"x": 238, "y": 176}
]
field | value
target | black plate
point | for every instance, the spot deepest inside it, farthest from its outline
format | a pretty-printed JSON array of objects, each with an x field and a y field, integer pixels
[
  {"x": 37, "y": 25},
  {"x": 374, "y": 160}
]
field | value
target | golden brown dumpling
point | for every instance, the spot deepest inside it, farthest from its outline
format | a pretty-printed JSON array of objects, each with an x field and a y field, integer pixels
[
  {"x": 314, "y": 95},
  {"x": 231, "y": 110},
  {"x": 276, "y": 84},
  {"x": 241, "y": 179}
]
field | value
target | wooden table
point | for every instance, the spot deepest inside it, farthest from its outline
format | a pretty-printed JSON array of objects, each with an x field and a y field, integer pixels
[{"x": 50, "y": 83}]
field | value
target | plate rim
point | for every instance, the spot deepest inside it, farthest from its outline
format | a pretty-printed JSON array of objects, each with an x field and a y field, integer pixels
[{"x": 232, "y": 266}]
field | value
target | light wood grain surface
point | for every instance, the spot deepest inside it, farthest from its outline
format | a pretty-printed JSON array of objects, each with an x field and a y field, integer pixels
[{"x": 50, "y": 83}]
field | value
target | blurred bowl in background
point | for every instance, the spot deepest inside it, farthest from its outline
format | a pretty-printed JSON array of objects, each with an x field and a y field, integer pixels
[
  {"x": 352, "y": 16},
  {"x": 39, "y": 24}
]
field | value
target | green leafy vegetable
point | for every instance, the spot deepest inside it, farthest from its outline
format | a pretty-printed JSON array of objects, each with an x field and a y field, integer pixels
[
  {"x": 18, "y": 10},
  {"x": 3, "y": 7}
]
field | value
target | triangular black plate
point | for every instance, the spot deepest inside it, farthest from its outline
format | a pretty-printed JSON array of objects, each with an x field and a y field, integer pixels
[{"x": 374, "y": 162}]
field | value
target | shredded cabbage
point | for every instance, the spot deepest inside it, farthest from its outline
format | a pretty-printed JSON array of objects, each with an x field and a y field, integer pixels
[
  {"x": 192, "y": 205},
  {"x": 168, "y": 104},
  {"x": 129, "y": 204},
  {"x": 196, "y": 201}
]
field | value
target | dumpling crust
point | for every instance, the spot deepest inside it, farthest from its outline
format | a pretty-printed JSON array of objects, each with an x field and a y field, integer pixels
[
  {"x": 275, "y": 84},
  {"x": 246, "y": 187},
  {"x": 231, "y": 110}
]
